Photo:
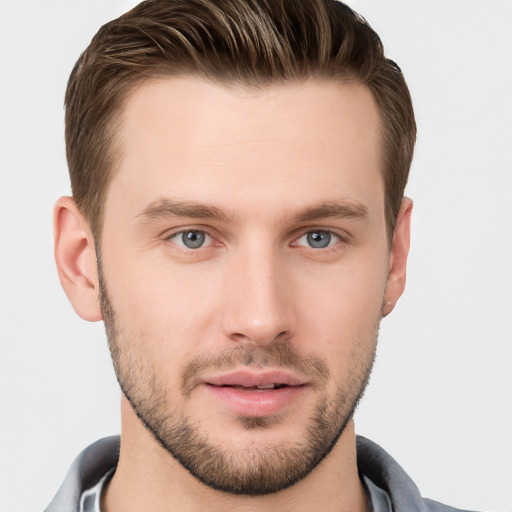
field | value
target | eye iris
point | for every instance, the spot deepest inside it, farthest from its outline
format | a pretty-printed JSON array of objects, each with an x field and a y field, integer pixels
[
  {"x": 319, "y": 239},
  {"x": 193, "y": 239}
]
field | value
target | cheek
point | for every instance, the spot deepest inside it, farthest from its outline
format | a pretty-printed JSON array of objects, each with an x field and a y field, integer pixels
[
  {"x": 164, "y": 312},
  {"x": 347, "y": 287},
  {"x": 172, "y": 311},
  {"x": 342, "y": 310}
]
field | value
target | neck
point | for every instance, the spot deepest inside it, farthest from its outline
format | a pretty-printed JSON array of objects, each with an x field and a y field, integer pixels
[{"x": 149, "y": 478}]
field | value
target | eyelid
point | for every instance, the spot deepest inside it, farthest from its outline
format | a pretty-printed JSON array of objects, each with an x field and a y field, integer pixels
[
  {"x": 335, "y": 239},
  {"x": 173, "y": 235},
  {"x": 342, "y": 236},
  {"x": 183, "y": 228}
]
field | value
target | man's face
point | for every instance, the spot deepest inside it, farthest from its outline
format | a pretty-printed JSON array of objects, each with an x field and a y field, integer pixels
[{"x": 244, "y": 261}]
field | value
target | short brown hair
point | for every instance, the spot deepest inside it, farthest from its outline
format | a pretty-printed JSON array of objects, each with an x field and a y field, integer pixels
[{"x": 252, "y": 42}]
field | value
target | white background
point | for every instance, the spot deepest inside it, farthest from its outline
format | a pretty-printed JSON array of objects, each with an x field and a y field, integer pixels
[{"x": 440, "y": 400}]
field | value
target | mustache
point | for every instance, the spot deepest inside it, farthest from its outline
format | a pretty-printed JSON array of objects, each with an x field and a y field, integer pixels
[{"x": 276, "y": 355}]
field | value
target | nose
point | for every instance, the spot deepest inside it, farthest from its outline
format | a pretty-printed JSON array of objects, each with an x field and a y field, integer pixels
[{"x": 259, "y": 299}]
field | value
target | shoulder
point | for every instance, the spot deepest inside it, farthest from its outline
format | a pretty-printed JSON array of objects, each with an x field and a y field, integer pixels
[
  {"x": 86, "y": 471},
  {"x": 385, "y": 472},
  {"x": 435, "y": 506}
]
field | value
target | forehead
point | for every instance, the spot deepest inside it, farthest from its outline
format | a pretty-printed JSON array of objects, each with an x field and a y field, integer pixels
[{"x": 207, "y": 142}]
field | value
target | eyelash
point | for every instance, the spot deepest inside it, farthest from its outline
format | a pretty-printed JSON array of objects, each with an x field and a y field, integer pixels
[
  {"x": 174, "y": 236},
  {"x": 332, "y": 236},
  {"x": 324, "y": 232}
]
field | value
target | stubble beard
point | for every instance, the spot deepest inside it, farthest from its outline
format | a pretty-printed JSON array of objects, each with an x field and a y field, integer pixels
[{"x": 257, "y": 469}]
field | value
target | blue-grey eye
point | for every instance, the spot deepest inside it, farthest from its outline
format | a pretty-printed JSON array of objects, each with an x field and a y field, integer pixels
[
  {"x": 318, "y": 239},
  {"x": 191, "y": 239}
]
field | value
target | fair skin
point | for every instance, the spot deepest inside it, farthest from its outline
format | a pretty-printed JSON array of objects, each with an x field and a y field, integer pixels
[{"x": 281, "y": 189}]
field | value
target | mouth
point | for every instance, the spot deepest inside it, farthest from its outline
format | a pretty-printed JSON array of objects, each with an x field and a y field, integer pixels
[
  {"x": 269, "y": 379},
  {"x": 262, "y": 387},
  {"x": 256, "y": 394}
]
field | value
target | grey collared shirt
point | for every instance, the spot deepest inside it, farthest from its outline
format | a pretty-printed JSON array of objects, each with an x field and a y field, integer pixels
[
  {"x": 388, "y": 486},
  {"x": 90, "y": 500}
]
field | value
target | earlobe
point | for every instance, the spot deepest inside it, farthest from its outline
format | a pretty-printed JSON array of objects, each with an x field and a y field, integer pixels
[
  {"x": 75, "y": 256},
  {"x": 398, "y": 258}
]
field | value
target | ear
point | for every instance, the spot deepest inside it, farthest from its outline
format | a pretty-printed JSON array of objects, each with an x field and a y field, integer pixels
[
  {"x": 75, "y": 255},
  {"x": 398, "y": 257}
]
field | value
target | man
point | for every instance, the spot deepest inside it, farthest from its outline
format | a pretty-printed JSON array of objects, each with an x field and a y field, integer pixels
[{"x": 238, "y": 222}]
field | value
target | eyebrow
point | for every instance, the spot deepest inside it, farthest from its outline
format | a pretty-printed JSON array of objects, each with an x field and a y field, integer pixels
[
  {"x": 164, "y": 208},
  {"x": 340, "y": 209}
]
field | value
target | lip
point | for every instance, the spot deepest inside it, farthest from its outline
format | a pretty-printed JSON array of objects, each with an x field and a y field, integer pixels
[
  {"x": 251, "y": 379},
  {"x": 238, "y": 392}
]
